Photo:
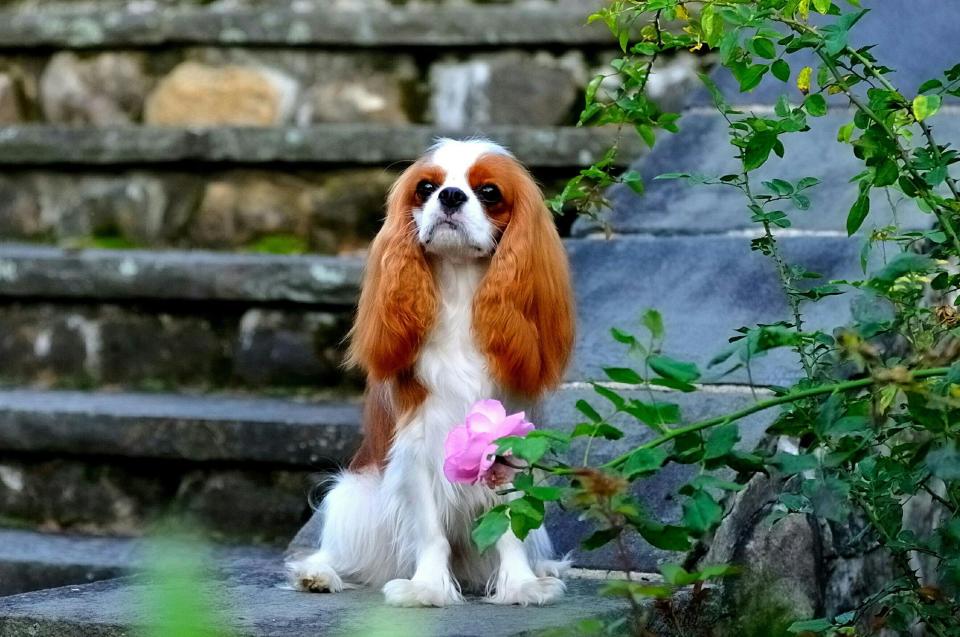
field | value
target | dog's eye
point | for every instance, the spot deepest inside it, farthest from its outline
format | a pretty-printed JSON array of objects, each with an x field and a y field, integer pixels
[
  {"x": 489, "y": 194},
  {"x": 425, "y": 189}
]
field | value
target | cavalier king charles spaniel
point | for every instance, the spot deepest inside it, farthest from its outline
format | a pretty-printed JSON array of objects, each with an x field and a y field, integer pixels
[{"x": 466, "y": 297}]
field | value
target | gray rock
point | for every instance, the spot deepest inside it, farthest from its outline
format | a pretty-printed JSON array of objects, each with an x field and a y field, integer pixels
[
  {"x": 783, "y": 565},
  {"x": 702, "y": 146},
  {"x": 427, "y": 26},
  {"x": 504, "y": 88},
  {"x": 142, "y": 208},
  {"x": 705, "y": 287},
  {"x": 375, "y": 97},
  {"x": 284, "y": 348},
  {"x": 10, "y": 109},
  {"x": 178, "y": 427},
  {"x": 21, "y": 218},
  {"x": 338, "y": 144},
  {"x": 106, "y": 89},
  {"x": 247, "y": 595}
]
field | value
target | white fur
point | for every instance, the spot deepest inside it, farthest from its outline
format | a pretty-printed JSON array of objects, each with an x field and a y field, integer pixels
[
  {"x": 475, "y": 236},
  {"x": 408, "y": 529}
]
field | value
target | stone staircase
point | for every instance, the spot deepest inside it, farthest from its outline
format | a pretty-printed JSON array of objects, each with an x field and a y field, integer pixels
[{"x": 160, "y": 359}]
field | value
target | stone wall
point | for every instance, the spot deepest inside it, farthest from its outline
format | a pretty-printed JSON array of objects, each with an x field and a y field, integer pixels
[{"x": 456, "y": 67}]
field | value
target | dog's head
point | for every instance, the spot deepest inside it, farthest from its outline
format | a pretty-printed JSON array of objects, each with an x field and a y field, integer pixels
[{"x": 468, "y": 201}]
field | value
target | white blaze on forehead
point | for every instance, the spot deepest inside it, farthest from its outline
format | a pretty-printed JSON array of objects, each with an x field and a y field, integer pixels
[{"x": 456, "y": 157}]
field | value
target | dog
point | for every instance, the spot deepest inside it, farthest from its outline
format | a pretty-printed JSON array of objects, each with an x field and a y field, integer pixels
[{"x": 466, "y": 296}]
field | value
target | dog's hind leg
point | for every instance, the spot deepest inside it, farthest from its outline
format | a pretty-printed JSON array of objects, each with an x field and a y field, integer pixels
[{"x": 353, "y": 547}]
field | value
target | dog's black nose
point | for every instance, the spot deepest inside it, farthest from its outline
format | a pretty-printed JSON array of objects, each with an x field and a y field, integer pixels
[{"x": 452, "y": 198}]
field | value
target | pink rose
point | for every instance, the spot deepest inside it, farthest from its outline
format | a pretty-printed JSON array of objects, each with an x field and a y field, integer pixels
[{"x": 471, "y": 450}]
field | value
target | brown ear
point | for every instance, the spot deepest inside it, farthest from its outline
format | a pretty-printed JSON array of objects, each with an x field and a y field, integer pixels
[
  {"x": 398, "y": 301},
  {"x": 524, "y": 311}
]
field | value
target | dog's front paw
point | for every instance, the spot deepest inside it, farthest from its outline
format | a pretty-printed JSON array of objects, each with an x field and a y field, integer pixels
[
  {"x": 411, "y": 592},
  {"x": 314, "y": 575},
  {"x": 538, "y": 591}
]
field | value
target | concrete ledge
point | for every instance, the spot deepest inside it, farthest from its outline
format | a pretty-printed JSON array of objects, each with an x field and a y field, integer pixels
[
  {"x": 249, "y": 597},
  {"x": 339, "y": 144},
  {"x": 440, "y": 26},
  {"x": 176, "y": 427},
  {"x": 43, "y": 272},
  {"x": 32, "y": 561}
]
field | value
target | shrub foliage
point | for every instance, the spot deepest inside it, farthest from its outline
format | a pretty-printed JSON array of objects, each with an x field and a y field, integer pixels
[{"x": 876, "y": 414}]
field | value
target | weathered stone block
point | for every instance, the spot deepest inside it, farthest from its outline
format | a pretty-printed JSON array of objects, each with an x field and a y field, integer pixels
[
  {"x": 10, "y": 111},
  {"x": 20, "y": 218},
  {"x": 128, "y": 497},
  {"x": 505, "y": 88},
  {"x": 106, "y": 89},
  {"x": 149, "y": 348},
  {"x": 196, "y": 94},
  {"x": 378, "y": 97},
  {"x": 142, "y": 208},
  {"x": 280, "y": 348}
]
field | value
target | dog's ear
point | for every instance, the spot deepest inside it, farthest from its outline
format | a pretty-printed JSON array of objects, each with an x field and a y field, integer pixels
[
  {"x": 398, "y": 302},
  {"x": 524, "y": 311}
]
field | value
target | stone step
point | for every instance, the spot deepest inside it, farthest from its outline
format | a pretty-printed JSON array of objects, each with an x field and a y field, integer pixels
[
  {"x": 328, "y": 144},
  {"x": 40, "y": 272},
  {"x": 31, "y": 561},
  {"x": 674, "y": 206},
  {"x": 138, "y": 317},
  {"x": 248, "y": 598},
  {"x": 305, "y": 26},
  {"x": 201, "y": 429},
  {"x": 243, "y": 469}
]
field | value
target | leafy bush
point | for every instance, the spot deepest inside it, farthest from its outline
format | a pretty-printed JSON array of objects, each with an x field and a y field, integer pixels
[{"x": 877, "y": 413}]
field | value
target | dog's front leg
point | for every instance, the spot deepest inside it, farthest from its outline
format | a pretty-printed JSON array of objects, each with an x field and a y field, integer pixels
[
  {"x": 516, "y": 583},
  {"x": 432, "y": 584}
]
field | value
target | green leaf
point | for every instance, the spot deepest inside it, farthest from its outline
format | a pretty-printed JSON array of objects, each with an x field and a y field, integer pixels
[
  {"x": 721, "y": 441},
  {"x": 623, "y": 375},
  {"x": 810, "y": 626},
  {"x": 616, "y": 399},
  {"x": 822, "y": 6},
  {"x": 668, "y": 538},
  {"x": 529, "y": 449},
  {"x": 845, "y": 133},
  {"x": 653, "y": 321},
  {"x": 929, "y": 85},
  {"x": 654, "y": 414},
  {"x": 758, "y": 149},
  {"x": 887, "y": 173},
  {"x": 816, "y": 105},
  {"x": 711, "y": 26},
  {"x": 764, "y": 48},
  {"x": 701, "y": 512},
  {"x": 752, "y": 76},
  {"x": 526, "y": 514},
  {"x": 647, "y": 134},
  {"x": 858, "y": 213},
  {"x": 925, "y": 105},
  {"x": 644, "y": 461},
  {"x": 599, "y": 538},
  {"x": 584, "y": 408},
  {"x": 790, "y": 463},
  {"x": 493, "y": 524},
  {"x": 673, "y": 369},
  {"x": 781, "y": 70},
  {"x": 633, "y": 179}
]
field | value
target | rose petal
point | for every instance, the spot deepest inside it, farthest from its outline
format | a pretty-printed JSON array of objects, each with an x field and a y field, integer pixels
[
  {"x": 492, "y": 409},
  {"x": 456, "y": 440},
  {"x": 513, "y": 425},
  {"x": 479, "y": 424}
]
